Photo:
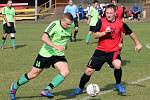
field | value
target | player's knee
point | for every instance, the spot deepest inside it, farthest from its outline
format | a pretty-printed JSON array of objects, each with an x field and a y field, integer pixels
[
  {"x": 65, "y": 73},
  {"x": 12, "y": 35},
  {"x": 32, "y": 75},
  {"x": 5, "y": 35},
  {"x": 76, "y": 28},
  {"x": 89, "y": 71},
  {"x": 117, "y": 64}
]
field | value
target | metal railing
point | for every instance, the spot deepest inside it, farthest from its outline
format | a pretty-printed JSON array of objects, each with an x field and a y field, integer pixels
[{"x": 46, "y": 8}]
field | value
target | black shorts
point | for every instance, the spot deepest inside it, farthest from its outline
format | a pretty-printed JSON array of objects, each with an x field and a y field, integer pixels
[
  {"x": 92, "y": 28},
  {"x": 100, "y": 57},
  {"x": 10, "y": 29},
  {"x": 46, "y": 62},
  {"x": 75, "y": 20}
]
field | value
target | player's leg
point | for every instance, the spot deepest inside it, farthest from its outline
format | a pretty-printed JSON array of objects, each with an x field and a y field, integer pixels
[
  {"x": 12, "y": 35},
  {"x": 88, "y": 36},
  {"x": 94, "y": 64},
  {"x": 116, "y": 64},
  {"x": 63, "y": 69},
  {"x": 4, "y": 35},
  {"x": 118, "y": 75},
  {"x": 76, "y": 28},
  {"x": 27, "y": 76},
  {"x": 83, "y": 80},
  {"x": 60, "y": 63},
  {"x": 23, "y": 80},
  {"x": 71, "y": 38},
  {"x": 39, "y": 64},
  {"x": 75, "y": 33},
  {"x": 3, "y": 40}
]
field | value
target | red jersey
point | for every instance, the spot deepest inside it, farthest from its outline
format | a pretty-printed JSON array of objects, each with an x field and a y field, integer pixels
[{"x": 110, "y": 42}]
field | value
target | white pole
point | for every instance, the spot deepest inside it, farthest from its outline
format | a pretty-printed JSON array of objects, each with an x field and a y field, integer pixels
[
  {"x": 36, "y": 9},
  {"x": 50, "y": 3}
]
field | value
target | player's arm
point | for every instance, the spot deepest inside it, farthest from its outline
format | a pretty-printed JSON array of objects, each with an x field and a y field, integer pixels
[
  {"x": 45, "y": 39},
  {"x": 128, "y": 31},
  {"x": 65, "y": 10},
  {"x": 89, "y": 16},
  {"x": 97, "y": 33},
  {"x": 48, "y": 34},
  {"x": 78, "y": 15},
  {"x": 15, "y": 22},
  {"x": 89, "y": 19},
  {"x": 77, "y": 12},
  {"x": 14, "y": 19},
  {"x": 4, "y": 17}
]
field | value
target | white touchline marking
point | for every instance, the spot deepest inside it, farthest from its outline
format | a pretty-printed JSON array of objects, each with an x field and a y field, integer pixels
[
  {"x": 108, "y": 91},
  {"x": 140, "y": 80},
  {"x": 148, "y": 45}
]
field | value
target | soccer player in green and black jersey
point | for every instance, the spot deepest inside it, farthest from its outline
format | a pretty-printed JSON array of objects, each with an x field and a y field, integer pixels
[
  {"x": 92, "y": 20},
  {"x": 55, "y": 39},
  {"x": 9, "y": 23}
]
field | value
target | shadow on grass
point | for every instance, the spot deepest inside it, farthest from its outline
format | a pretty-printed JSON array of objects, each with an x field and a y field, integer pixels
[
  {"x": 77, "y": 40},
  {"x": 125, "y": 62},
  {"x": 28, "y": 97},
  {"x": 17, "y": 46},
  {"x": 65, "y": 93}
]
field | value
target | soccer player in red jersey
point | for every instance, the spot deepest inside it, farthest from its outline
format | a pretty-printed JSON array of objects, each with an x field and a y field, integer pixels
[
  {"x": 109, "y": 32},
  {"x": 119, "y": 9}
]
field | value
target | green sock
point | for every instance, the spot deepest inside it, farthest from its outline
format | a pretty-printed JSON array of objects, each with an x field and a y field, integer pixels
[
  {"x": 58, "y": 79},
  {"x": 88, "y": 37},
  {"x": 3, "y": 41},
  {"x": 22, "y": 80},
  {"x": 13, "y": 42}
]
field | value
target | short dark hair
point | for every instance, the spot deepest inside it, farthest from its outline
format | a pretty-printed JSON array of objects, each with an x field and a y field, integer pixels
[
  {"x": 110, "y": 6},
  {"x": 68, "y": 15},
  {"x": 115, "y": 1},
  {"x": 95, "y": 1}
]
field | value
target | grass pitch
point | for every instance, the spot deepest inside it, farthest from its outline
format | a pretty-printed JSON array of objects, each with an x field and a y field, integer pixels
[{"x": 14, "y": 63}]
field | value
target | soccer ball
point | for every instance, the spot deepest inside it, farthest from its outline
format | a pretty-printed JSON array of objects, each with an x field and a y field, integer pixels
[{"x": 92, "y": 90}]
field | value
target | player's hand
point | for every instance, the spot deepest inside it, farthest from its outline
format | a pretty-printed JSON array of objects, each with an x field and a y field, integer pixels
[
  {"x": 60, "y": 48},
  {"x": 108, "y": 30},
  {"x": 8, "y": 24},
  {"x": 138, "y": 47},
  {"x": 120, "y": 45},
  {"x": 14, "y": 26}
]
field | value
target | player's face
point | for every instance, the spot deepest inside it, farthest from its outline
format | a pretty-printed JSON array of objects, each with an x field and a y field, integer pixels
[
  {"x": 66, "y": 23},
  {"x": 9, "y": 3},
  {"x": 96, "y": 5},
  {"x": 110, "y": 14},
  {"x": 70, "y": 2},
  {"x": 89, "y": 5}
]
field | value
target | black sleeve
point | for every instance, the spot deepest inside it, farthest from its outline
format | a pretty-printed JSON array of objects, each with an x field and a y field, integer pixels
[
  {"x": 123, "y": 11},
  {"x": 47, "y": 34},
  {"x": 126, "y": 29},
  {"x": 98, "y": 26}
]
